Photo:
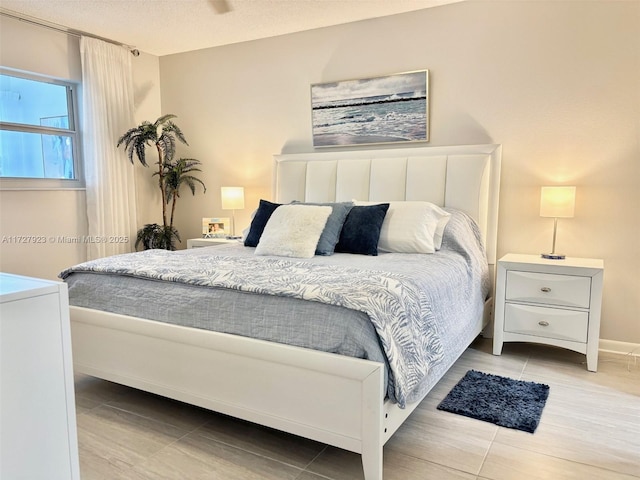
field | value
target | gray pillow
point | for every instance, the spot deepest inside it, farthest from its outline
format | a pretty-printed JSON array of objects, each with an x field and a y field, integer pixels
[{"x": 331, "y": 233}]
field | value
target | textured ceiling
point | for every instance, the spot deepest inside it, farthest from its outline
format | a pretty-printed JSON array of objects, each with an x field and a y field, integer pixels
[{"x": 163, "y": 27}]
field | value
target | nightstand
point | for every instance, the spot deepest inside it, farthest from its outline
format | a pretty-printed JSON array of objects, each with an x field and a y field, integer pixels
[
  {"x": 554, "y": 302},
  {"x": 210, "y": 242}
]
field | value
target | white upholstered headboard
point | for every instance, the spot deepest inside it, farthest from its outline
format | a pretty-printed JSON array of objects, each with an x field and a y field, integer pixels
[{"x": 464, "y": 177}]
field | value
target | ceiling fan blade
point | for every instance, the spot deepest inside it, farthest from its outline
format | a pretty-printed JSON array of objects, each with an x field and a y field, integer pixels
[{"x": 220, "y": 6}]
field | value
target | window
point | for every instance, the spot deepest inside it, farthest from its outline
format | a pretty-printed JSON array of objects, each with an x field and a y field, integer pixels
[{"x": 38, "y": 135}]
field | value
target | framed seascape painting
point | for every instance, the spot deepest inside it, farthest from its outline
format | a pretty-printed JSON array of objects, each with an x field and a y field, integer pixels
[{"x": 389, "y": 109}]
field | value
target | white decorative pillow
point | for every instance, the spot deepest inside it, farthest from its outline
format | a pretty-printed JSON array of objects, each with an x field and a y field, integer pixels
[
  {"x": 412, "y": 227},
  {"x": 293, "y": 231}
]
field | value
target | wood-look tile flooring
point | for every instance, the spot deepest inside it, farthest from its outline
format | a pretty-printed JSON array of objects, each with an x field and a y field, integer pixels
[{"x": 590, "y": 429}]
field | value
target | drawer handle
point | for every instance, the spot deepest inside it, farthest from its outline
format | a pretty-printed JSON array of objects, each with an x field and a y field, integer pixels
[
  {"x": 545, "y": 289},
  {"x": 543, "y": 323}
]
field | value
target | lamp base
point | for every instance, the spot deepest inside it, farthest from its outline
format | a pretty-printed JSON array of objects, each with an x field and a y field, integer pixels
[{"x": 553, "y": 256}]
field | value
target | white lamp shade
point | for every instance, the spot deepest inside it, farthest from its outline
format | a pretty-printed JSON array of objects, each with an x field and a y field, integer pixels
[
  {"x": 232, "y": 198},
  {"x": 557, "y": 202}
]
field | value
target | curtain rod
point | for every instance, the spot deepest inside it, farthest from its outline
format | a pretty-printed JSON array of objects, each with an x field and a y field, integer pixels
[{"x": 63, "y": 29}]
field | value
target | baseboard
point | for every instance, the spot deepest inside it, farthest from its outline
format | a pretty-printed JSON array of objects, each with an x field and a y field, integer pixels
[{"x": 623, "y": 348}]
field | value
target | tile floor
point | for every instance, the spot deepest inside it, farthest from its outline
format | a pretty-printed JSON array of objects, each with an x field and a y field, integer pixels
[{"x": 590, "y": 429}]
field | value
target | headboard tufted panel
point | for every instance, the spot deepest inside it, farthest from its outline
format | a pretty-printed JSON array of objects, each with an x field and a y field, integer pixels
[
  {"x": 464, "y": 177},
  {"x": 353, "y": 179}
]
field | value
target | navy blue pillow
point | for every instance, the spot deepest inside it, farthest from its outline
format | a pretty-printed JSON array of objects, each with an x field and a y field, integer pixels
[
  {"x": 361, "y": 230},
  {"x": 262, "y": 216},
  {"x": 331, "y": 233}
]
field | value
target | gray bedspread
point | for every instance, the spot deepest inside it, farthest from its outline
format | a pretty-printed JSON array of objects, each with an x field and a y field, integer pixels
[{"x": 347, "y": 304}]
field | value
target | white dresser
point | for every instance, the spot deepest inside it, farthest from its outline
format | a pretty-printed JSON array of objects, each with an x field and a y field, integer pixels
[
  {"x": 38, "y": 436},
  {"x": 554, "y": 302}
]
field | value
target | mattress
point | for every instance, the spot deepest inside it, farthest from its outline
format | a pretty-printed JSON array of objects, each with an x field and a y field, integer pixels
[{"x": 455, "y": 280}]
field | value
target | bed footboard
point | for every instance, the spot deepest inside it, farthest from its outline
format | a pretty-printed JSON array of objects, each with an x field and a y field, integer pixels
[{"x": 333, "y": 399}]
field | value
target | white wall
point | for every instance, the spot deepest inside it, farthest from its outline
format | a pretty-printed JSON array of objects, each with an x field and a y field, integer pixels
[
  {"x": 51, "y": 214},
  {"x": 555, "y": 82}
]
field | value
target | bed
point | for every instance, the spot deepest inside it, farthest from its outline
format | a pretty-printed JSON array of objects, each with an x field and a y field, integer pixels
[{"x": 335, "y": 399}]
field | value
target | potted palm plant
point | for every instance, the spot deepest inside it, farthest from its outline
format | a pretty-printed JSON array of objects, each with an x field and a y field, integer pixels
[{"x": 172, "y": 175}]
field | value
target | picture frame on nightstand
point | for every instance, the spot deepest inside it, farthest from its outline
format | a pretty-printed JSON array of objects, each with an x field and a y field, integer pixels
[{"x": 216, "y": 227}]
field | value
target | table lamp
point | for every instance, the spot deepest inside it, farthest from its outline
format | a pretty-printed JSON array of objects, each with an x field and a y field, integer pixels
[
  {"x": 557, "y": 202},
  {"x": 232, "y": 199}
]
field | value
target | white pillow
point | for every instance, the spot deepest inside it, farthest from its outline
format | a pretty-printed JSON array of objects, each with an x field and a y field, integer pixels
[
  {"x": 411, "y": 227},
  {"x": 442, "y": 223},
  {"x": 293, "y": 231}
]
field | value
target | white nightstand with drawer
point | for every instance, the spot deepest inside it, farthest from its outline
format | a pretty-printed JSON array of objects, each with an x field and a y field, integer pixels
[
  {"x": 210, "y": 242},
  {"x": 555, "y": 302}
]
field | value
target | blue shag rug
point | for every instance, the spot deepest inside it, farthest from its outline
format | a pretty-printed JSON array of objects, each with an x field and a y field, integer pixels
[{"x": 500, "y": 400}]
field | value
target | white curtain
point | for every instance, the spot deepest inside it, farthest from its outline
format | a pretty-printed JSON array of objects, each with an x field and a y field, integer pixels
[{"x": 107, "y": 112}]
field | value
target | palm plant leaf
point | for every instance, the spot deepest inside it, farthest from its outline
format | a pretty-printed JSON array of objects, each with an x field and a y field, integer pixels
[
  {"x": 172, "y": 128},
  {"x": 167, "y": 144},
  {"x": 140, "y": 153},
  {"x": 135, "y": 140},
  {"x": 176, "y": 175},
  {"x": 163, "y": 119},
  {"x": 191, "y": 183},
  {"x": 172, "y": 185}
]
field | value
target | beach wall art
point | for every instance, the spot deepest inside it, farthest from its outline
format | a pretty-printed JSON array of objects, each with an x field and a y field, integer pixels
[{"x": 388, "y": 109}]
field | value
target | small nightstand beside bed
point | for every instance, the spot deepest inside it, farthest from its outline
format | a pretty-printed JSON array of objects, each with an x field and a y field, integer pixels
[
  {"x": 210, "y": 242},
  {"x": 406, "y": 325},
  {"x": 552, "y": 302}
]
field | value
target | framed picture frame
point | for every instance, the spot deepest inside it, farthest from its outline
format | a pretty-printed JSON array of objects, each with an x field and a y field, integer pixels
[
  {"x": 216, "y": 227},
  {"x": 389, "y": 109}
]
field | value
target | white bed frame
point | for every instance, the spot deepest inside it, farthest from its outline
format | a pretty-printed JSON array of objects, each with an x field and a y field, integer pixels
[{"x": 330, "y": 398}]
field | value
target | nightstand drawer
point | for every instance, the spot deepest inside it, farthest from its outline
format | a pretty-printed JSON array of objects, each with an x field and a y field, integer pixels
[
  {"x": 548, "y": 289},
  {"x": 546, "y": 322}
]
